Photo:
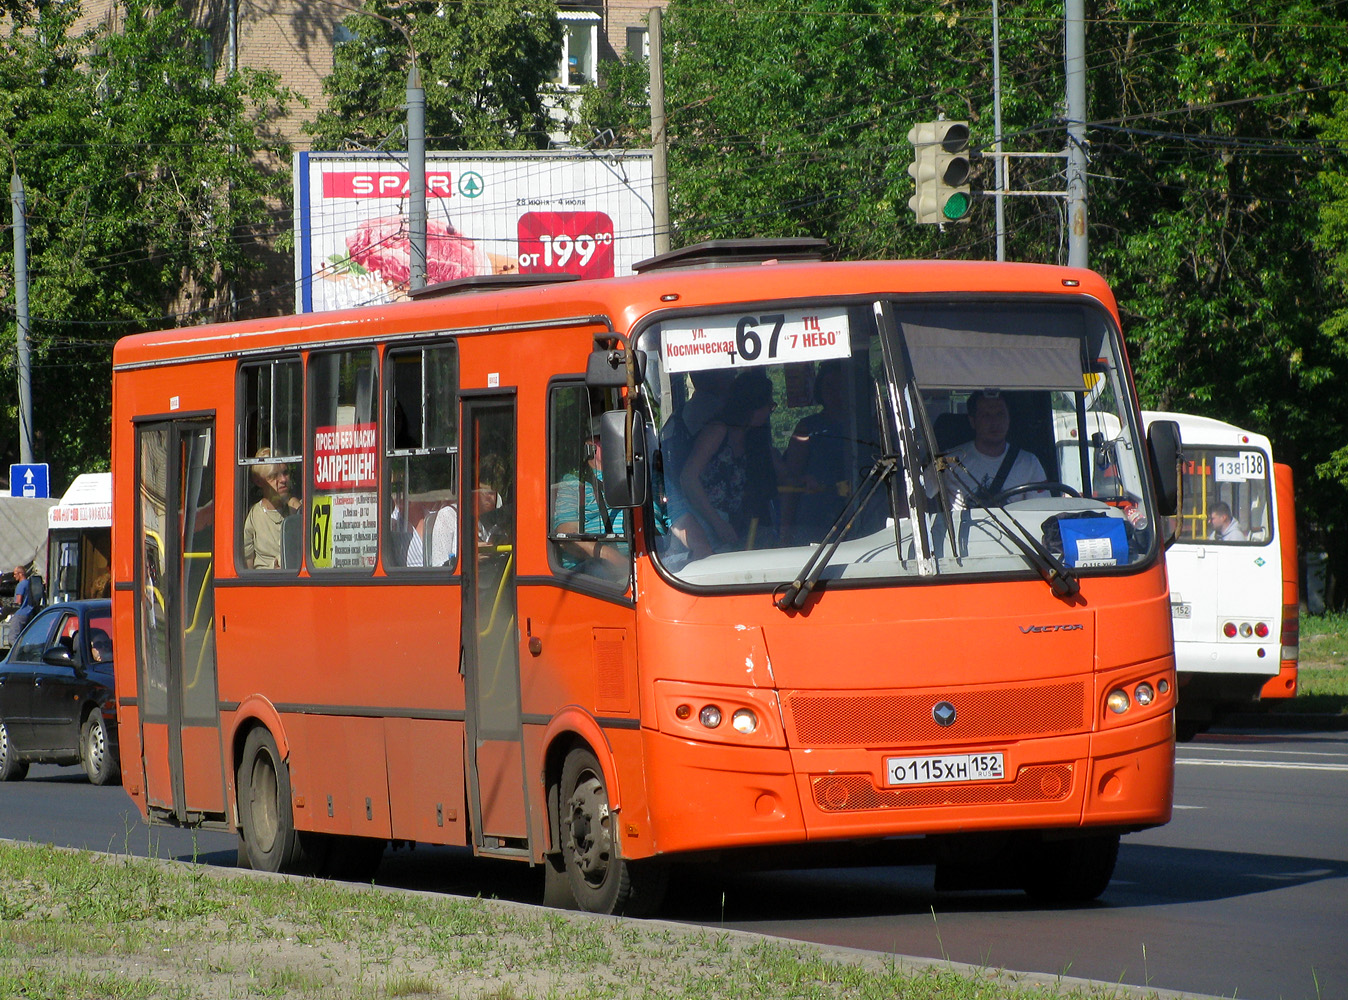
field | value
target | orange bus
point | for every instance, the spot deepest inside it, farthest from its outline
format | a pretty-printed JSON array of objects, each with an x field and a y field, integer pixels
[{"x": 610, "y": 576}]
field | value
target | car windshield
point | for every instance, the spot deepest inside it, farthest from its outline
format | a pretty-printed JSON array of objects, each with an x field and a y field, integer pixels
[{"x": 912, "y": 439}]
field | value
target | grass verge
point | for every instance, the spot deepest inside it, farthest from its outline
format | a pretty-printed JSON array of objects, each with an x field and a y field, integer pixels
[{"x": 77, "y": 925}]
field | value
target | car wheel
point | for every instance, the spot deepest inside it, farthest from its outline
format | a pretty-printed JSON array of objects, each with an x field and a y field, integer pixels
[
  {"x": 11, "y": 769},
  {"x": 100, "y": 763},
  {"x": 601, "y": 880},
  {"x": 269, "y": 835}
]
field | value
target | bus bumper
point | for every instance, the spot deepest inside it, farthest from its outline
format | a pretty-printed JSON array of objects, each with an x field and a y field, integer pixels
[{"x": 705, "y": 797}]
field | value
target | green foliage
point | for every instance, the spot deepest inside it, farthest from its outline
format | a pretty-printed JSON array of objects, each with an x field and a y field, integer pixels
[
  {"x": 1204, "y": 150},
  {"x": 145, "y": 189},
  {"x": 484, "y": 67}
]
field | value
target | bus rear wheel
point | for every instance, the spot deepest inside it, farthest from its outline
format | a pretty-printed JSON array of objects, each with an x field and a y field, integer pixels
[
  {"x": 268, "y": 825},
  {"x": 1071, "y": 870},
  {"x": 601, "y": 880}
]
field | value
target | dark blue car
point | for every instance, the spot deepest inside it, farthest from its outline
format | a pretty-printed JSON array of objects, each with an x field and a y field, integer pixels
[{"x": 57, "y": 704}]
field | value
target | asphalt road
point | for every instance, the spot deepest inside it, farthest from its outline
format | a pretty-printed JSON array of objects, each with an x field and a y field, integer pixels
[{"x": 1244, "y": 894}]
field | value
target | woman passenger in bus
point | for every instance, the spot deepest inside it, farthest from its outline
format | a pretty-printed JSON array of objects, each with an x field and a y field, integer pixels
[
  {"x": 730, "y": 478},
  {"x": 262, "y": 527}
]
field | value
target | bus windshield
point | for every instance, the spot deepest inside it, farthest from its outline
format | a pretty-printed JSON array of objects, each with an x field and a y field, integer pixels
[{"x": 908, "y": 439}]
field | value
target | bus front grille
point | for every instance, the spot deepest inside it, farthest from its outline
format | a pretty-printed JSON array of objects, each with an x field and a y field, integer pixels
[
  {"x": 890, "y": 720},
  {"x": 856, "y": 792}
]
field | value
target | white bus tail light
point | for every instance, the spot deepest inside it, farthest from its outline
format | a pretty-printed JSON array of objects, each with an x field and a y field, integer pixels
[{"x": 1246, "y": 630}]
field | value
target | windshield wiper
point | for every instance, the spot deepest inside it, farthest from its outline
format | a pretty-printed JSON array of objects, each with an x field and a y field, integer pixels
[
  {"x": 1061, "y": 580},
  {"x": 793, "y": 595}
]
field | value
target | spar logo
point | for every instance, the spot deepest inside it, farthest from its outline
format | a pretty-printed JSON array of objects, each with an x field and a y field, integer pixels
[{"x": 385, "y": 184}]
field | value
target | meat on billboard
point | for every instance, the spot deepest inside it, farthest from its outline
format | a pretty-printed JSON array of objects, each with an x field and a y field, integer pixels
[{"x": 487, "y": 213}]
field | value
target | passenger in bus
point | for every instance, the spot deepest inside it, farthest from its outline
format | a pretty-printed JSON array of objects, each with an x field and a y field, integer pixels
[
  {"x": 578, "y": 508},
  {"x": 990, "y": 464},
  {"x": 262, "y": 528},
  {"x": 490, "y": 513},
  {"x": 1225, "y": 528},
  {"x": 731, "y": 476},
  {"x": 816, "y": 461}
]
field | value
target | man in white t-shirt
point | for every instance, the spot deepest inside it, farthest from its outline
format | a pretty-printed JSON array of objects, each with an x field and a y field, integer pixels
[{"x": 988, "y": 462}]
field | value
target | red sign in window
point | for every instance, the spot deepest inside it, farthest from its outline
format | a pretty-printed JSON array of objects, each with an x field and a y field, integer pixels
[
  {"x": 344, "y": 457},
  {"x": 566, "y": 243}
]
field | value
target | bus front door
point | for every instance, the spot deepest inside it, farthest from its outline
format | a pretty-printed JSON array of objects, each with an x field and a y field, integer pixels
[
  {"x": 495, "y": 730},
  {"x": 175, "y": 630}
]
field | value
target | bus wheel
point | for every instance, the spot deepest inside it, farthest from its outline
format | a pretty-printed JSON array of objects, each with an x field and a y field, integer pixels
[
  {"x": 601, "y": 881},
  {"x": 10, "y": 768},
  {"x": 1074, "y": 870},
  {"x": 268, "y": 825},
  {"x": 100, "y": 764}
]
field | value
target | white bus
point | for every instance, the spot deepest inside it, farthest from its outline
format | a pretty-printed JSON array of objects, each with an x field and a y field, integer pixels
[{"x": 1233, "y": 573}]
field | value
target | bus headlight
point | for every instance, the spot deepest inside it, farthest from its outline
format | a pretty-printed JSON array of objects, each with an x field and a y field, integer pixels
[
  {"x": 744, "y": 721},
  {"x": 1117, "y": 702},
  {"x": 710, "y": 716},
  {"x": 1144, "y": 693}
]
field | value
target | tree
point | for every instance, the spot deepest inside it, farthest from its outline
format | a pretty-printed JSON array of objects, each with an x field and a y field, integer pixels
[
  {"x": 485, "y": 68},
  {"x": 792, "y": 120},
  {"x": 148, "y": 186}
]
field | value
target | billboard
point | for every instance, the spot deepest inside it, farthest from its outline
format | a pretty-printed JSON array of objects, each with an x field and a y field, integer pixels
[{"x": 576, "y": 212}]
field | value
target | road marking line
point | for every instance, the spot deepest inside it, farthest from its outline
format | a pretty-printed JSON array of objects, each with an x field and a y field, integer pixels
[{"x": 1290, "y": 765}]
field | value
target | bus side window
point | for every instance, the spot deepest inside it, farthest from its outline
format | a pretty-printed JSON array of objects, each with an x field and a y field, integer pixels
[
  {"x": 270, "y": 463},
  {"x": 421, "y": 459},
  {"x": 343, "y": 500},
  {"x": 585, "y": 535}
]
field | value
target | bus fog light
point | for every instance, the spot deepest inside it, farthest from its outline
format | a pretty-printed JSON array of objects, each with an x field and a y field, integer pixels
[
  {"x": 710, "y": 716},
  {"x": 1144, "y": 693},
  {"x": 1245, "y": 630},
  {"x": 744, "y": 721},
  {"x": 1117, "y": 701}
]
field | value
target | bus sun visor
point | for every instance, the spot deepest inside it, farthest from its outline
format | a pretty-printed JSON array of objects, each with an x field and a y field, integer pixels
[{"x": 968, "y": 349}]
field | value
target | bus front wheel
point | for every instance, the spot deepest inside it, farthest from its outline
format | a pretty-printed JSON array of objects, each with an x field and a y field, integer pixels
[
  {"x": 601, "y": 880},
  {"x": 1071, "y": 870},
  {"x": 268, "y": 825}
]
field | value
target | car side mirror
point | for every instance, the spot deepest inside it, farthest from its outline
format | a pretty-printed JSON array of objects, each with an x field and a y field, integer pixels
[{"x": 59, "y": 656}]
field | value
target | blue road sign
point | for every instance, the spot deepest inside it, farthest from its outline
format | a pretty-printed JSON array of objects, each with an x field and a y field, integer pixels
[{"x": 29, "y": 481}]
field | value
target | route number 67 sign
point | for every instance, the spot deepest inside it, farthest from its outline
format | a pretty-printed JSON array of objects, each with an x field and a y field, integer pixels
[{"x": 736, "y": 340}]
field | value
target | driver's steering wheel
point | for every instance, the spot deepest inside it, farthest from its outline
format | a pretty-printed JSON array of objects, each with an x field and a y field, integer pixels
[{"x": 1051, "y": 486}]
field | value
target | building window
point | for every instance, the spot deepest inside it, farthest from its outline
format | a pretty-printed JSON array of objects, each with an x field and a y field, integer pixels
[
  {"x": 638, "y": 44},
  {"x": 580, "y": 48}
]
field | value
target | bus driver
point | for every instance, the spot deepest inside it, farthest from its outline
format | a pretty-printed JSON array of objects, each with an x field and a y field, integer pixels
[{"x": 989, "y": 464}]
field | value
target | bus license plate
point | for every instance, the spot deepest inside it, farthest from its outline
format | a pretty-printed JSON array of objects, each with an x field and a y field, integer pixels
[
  {"x": 1182, "y": 610},
  {"x": 950, "y": 768}
]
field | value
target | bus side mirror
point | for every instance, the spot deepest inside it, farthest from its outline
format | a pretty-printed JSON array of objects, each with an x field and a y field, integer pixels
[
  {"x": 1164, "y": 451},
  {"x": 624, "y": 485},
  {"x": 606, "y": 368}
]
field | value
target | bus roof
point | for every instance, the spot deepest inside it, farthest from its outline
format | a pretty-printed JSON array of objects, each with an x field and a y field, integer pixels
[
  {"x": 87, "y": 503},
  {"x": 1206, "y": 430},
  {"x": 624, "y": 301}
]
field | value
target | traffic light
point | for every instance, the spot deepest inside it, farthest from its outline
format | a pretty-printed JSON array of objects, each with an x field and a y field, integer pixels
[{"x": 940, "y": 171}]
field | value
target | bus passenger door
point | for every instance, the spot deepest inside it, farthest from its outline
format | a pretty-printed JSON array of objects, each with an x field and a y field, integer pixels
[
  {"x": 175, "y": 630},
  {"x": 495, "y": 752}
]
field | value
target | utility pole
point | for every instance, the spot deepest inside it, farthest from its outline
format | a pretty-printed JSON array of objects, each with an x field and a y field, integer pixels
[
  {"x": 1075, "y": 71},
  {"x": 999, "y": 164},
  {"x": 416, "y": 176},
  {"x": 21, "y": 310},
  {"x": 659, "y": 135}
]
